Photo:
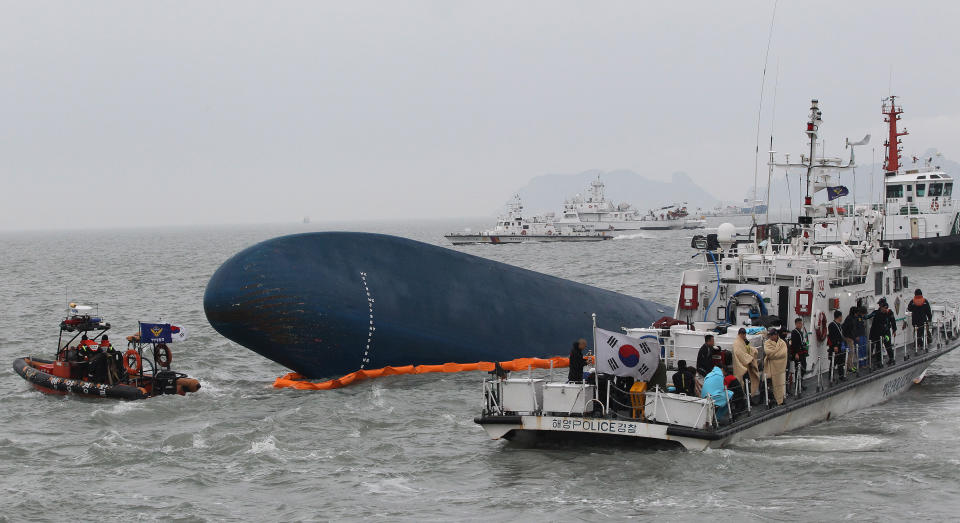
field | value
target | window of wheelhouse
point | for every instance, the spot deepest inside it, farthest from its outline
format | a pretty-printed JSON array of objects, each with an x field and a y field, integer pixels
[
  {"x": 894, "y": 191},
  {"x": 948, "y": 189},
  {"x": 878, "y": 284},
  {"x": 936, "y": 189},
  {"x": 921, "y": 189},
  {"x": 897, "y": 279}
]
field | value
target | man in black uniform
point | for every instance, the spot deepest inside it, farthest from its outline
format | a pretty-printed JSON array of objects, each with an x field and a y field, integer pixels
[
  {"x": 577, "y": 361},
  {"x": 705, "y": 360},
  {"x": 921, "y": 316},
  {"x": 683, "y": 379},
  {"x": 799, "y": 347},
  {"x": 882, "y": 329},
  {"x": 835, "y": 343}
]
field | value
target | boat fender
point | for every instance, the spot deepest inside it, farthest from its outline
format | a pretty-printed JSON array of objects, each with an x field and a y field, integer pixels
[
  {"x": 185, "y": 385},
  {"x": 934, "y": 205},
  {"x": 821, "y": 327},
  {"x": 132, "y": 362},
  {"x": 935, "y": 250},
  {"x": 162, "y": 355}
]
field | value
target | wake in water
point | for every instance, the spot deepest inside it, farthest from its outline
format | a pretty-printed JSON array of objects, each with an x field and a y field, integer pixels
[{"x": 636, "y": 236}]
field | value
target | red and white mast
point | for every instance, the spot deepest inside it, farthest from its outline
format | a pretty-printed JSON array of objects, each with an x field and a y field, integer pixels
[{"x": 892, "y": 113}]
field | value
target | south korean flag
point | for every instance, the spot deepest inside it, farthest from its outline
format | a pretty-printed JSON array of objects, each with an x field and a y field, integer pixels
[{"x": 622, "y": 355}]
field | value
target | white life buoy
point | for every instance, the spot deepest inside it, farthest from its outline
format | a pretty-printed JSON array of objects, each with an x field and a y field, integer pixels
[{"x": 935, "y": 205}]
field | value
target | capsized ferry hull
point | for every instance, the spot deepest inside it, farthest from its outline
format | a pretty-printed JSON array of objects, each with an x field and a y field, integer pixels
[{"x": 327, "y": 304}]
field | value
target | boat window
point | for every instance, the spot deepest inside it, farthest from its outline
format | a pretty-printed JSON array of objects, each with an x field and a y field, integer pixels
[
  {"x": 936, "y": 189},
  {"x": 894, "y": 191},
  {"x": 948, "y": 189},
  {"x": 921, "y": 177},
  {"x": 878, "y": 284},
  {"x": 909, "y": 188},
  {"x": 526, "y": 226},
  {"x": 921, "y": 188},
  {"x": 897, "y": 279}
]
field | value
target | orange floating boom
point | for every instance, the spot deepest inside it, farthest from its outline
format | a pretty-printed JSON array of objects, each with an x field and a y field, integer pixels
[{"x": 297, "y": 381}]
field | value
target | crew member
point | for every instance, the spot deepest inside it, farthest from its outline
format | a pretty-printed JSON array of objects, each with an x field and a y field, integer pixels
[
  {"x": 921, "y": 316},
  {"x": 684, "y": 379},
  {"x": 705, "y": 359},
  {"x": 799, "y": 348},
  {"x": 577, "y": 361},
  {"x": 87, "y": 347},
  {"x": 835, "y": 343},
  {"x": 882, "y": 330},
  {"x": 745, "y": 362},
  {"x": 849, "y": 333},
  {"x": 775, "y": 364}
]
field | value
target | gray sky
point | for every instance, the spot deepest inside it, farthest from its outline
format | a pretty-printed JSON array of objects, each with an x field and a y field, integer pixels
[{"x": 150, "y": 113}]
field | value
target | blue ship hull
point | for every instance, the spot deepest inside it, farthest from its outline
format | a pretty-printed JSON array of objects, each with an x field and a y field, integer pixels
[{"x": 330, "y": 303}]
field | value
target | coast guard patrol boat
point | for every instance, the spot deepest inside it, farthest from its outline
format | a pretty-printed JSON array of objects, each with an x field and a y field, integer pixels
[
  {"x": 514, "y": 228},
  {"x": 759, "y": 281}
]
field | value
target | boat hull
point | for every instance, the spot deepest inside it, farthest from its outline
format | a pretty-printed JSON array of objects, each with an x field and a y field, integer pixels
[
  {"x": 330, "y": 303},
  {"x": 843, "y": 398},
  {"x": 468, "y": 239},
  {"x": 32, "y": 370},
  {"x": 940, "y": 250}
]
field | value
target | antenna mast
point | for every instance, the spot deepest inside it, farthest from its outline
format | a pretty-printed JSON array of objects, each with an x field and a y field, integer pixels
[{"x": 892, "y": 113}]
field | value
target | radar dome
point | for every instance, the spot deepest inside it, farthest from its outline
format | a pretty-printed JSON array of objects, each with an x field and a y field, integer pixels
[{"x": 727, "y": 233}]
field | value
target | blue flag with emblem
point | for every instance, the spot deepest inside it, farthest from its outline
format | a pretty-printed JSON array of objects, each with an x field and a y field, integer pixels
[
  {"x": 155, "y": 333},
  {"x": 835, "y": 192}
]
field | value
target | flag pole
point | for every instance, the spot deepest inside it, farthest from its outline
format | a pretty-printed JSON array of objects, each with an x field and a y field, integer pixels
[{"x": 596, "y": 375}]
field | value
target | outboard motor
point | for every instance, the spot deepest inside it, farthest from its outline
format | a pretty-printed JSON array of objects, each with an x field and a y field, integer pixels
[{"x": 165, "y": 382}]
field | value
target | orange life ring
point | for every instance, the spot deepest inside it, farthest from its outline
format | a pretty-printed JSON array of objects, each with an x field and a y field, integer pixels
[
  {"x": 162, "y": 355},
  {"x": 523, "y": 233},
  {"x": 132, "y": 362},
  {"x": 549, "y": 232},
  {"x": 821, "y": 327},
  {"x": 935, "y": 205}
]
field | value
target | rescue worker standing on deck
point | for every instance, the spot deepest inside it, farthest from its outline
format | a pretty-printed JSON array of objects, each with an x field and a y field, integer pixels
[
  {"x": 835, "y": 343},
  {"x": 577, "y": 361},
  {"x": 882, "y": 330},
  {"x": 921, "y": 316},
  {"x": 775, "y": 364},
  {"x": 745, "y": 362},
  {"x": 799, "y": 347},
  {"x": 705, "y": 360}
]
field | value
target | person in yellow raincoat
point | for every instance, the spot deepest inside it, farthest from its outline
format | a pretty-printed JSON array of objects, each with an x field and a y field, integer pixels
[
  {"x": 775, "y": 364},
  {"x": 745, "y": 362}
]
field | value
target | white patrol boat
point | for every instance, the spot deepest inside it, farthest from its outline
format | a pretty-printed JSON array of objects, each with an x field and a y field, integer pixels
[
  {"x": 918, "y": 214},
  {"x": 594, "y": 210},
  {"x": 776, "y": 274},
  {"x": 514, "y": 228}
]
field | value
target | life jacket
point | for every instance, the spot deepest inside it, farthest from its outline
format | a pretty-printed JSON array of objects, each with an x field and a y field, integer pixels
[{"x": 919, "y": 301}]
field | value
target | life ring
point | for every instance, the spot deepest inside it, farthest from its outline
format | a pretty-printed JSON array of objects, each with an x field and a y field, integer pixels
[
  {"x": 132, "y": 362},
  {"x": 935, "y": 205},
  {"x": 821, "y": 327},
  {"x": 162, "y": 355},
  {"x": 523, "y": 233}
]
